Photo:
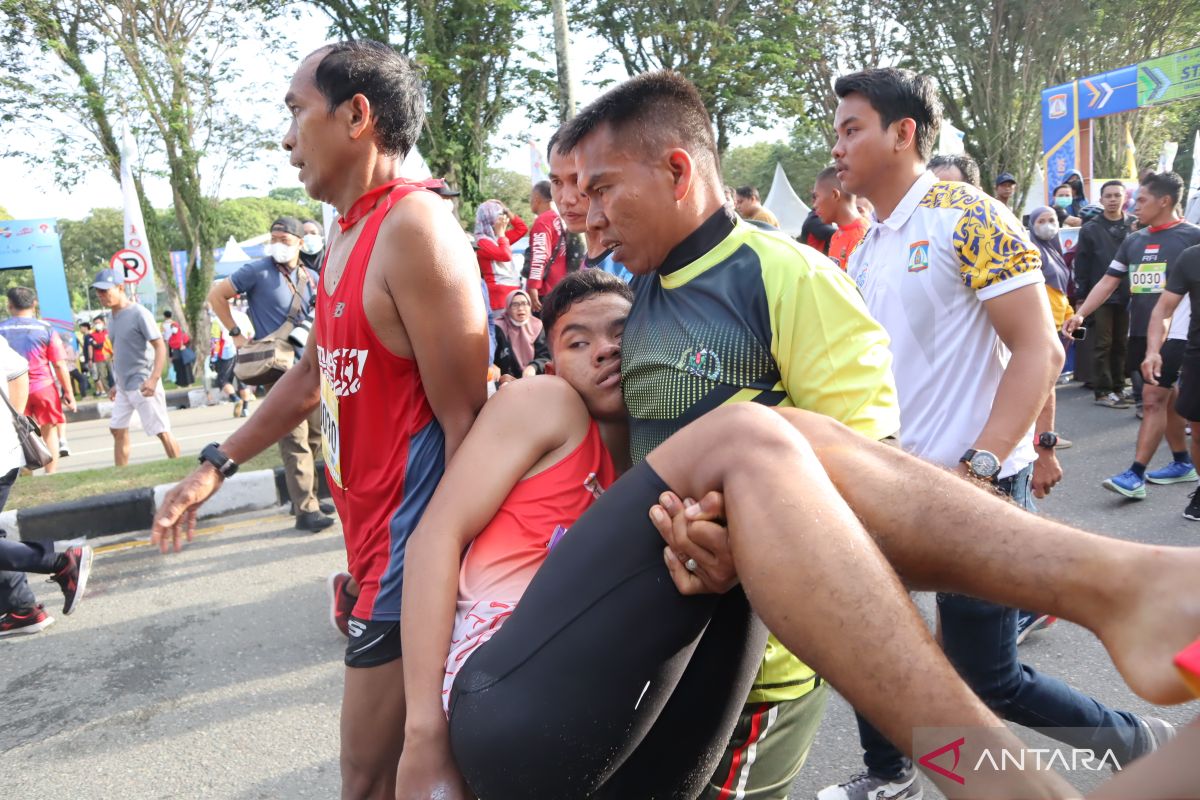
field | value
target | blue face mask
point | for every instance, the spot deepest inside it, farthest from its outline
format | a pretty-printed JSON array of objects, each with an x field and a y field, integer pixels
[{"x": 1062, "y": 202}]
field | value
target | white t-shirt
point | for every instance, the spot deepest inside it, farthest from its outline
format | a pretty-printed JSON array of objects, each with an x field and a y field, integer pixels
[
  {"x": 925, "y": 273},
  {"x": 12, "y": 366}
]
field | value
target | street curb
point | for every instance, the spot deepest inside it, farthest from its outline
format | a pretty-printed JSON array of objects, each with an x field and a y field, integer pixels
[
  {"x": 102, "y": 409},
  {"x": 133, "y": 509}
]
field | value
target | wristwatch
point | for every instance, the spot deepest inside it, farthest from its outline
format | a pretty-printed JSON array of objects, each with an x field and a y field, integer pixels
[
  {"x": 224, "y": 465},
  {"x": 235, "y": 331},
  {"x": 982, "y": 464},
  {"x": 1047, "y": 440}
]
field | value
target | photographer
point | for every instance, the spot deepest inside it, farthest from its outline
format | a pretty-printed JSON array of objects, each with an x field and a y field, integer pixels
[{"x": 272, "y": 286}]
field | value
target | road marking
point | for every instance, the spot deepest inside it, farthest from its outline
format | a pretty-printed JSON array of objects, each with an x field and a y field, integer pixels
[{"x": 117, "y": 547}]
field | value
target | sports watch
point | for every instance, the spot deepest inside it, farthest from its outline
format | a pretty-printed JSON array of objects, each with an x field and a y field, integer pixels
[
  {"x": 223, "y": 464},
  {"x": 1047, "y": 440},
  {"x": 981, "y": 464},
  {"x": 235, "y": 331}
]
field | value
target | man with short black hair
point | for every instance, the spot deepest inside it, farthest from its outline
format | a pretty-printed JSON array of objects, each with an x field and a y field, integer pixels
[
  {"x": 1099, "y": 240},
  {"x": 835, "y": 206},
  {"x": 746, "y": 202},
  {"x": 547, "y": 245},
  {"x": 573, "y": 206},
  {"x": 1146, "y": 260},
  {"x": 1006, "y": 189},
  {"x": 960, "y": 167}
]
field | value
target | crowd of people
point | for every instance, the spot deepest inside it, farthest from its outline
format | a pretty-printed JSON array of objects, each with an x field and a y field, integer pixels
[{"x": 578, "y": 588}]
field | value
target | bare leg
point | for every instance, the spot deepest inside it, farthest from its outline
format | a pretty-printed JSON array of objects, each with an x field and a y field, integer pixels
[
  {"x": 50, "y": 434},
  {"x": 372, "y": 731},
  {"x": 120, "y": 446},
  {"x": 170, "y": 445},
  {"x": 1154, "y": 422},
  {"x": 1176, "y": 430},
  {"x": 819, "y": 582}
]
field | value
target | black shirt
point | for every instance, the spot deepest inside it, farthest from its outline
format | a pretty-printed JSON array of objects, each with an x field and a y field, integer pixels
[
  {"x": 1185, "y": 279},
  {"x": 1097, "y": 247},
  {"x": 1148, "y": 258}
]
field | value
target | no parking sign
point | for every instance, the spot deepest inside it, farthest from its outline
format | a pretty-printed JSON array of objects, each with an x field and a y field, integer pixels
[{"x": 129, "y": 263}]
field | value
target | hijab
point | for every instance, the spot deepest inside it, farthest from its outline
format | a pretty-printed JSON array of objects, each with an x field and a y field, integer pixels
[
  {"x": 485, "y": 219},
  {"x": 521, "y": 335},
  {"x": 1054, "y": 266}
]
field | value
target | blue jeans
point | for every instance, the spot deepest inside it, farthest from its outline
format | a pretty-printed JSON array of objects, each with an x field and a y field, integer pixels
[
  {"x": 980, "y": 640},
  {"x": 17, "y": 558}
]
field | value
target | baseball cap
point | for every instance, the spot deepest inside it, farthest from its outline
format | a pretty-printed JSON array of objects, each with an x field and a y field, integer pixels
[
  {"x": 288, "y": 225},
  {"x": 106, "y": 279},
  {"x": 440, "y": 188},
  {"x": 1005, "y": 177}
]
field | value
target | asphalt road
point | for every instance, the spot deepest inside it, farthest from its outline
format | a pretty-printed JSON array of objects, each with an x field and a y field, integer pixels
[{"x": 214, "y": 673}]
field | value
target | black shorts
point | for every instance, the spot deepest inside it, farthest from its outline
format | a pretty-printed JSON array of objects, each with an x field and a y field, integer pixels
[
  {"x": 1187, "y": 405},
  {"x": 372, "y": 644},
  {"x": 225, "y": 371},
  {"x": 1172, "y": 358}
]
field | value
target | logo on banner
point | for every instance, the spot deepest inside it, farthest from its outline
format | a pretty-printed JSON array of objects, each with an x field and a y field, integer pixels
[
  {"x": 1058, "y": 106},
  {"x": 918, "y": 256}
]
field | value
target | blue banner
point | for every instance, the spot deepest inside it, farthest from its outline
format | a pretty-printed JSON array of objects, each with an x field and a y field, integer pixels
[
  {"x": 1108, "y": 93},
  {"x": 33, "y": 244}
]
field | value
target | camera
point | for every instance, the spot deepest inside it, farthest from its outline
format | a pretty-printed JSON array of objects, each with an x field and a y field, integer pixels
[{"x": 299, "y": 335}]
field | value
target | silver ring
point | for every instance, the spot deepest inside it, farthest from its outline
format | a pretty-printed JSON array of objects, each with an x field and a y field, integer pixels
[{"x": 690, "y": 565}]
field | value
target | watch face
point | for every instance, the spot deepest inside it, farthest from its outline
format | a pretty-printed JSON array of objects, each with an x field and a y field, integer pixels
[{"x": 985, "y": 464}]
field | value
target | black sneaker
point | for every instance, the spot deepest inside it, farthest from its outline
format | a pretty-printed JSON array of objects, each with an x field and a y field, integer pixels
[
  {"x": 30, "y": 620},
  {"x": 1192, "y": 511},
  {"x": 313, "y": 521},
  {"x": 74, "y": 566},
  {"x": 865, "y": 786}
]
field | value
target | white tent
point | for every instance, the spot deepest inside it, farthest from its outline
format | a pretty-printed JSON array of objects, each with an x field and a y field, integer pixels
[
  {"x": 785, "y": 204},
  {"x": 233, "y": 252}
]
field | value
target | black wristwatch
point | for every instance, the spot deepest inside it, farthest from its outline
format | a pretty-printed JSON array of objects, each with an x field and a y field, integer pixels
[
  {"x": 235, "y": 331},
  {"x": 224, "y": 465},
  {"x": 1047, "y": 440},
  {"x": 982, "y": 464}
]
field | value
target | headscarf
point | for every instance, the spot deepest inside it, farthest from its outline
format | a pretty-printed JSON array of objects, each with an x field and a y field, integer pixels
[
  {"x": 485, "y": 219},
  {"x": 521, "y": 335},
  {"x": 1054, "y": 266}
]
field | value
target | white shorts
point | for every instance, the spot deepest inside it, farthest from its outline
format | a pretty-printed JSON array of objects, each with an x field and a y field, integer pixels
[{"x": 152, "y": 411}]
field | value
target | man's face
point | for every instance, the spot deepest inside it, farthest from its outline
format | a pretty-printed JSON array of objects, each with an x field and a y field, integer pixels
[
  {"x": 312, "y": 229},
  {"x": 282, "y": 237},
  {"x": 1150, "y": 209},
  {"x": 864, "y": 150},
  {"x": 743, "y": 205},
  {"x": 1064, "y": 192},
  {"x": 825, "y": 201},
  {"x": 586, "y": 344},
  {"x": 631, "y": 199},
  {"x": 1005, "y": 191},
  {"x": 1113, "y": 199},
  {"x": 315, "y": 139},
  {"x": 109, "y": 298},
  {"x": 564, "y": 188}
]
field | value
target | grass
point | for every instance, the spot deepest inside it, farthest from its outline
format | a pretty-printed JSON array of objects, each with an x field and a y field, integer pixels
[{"x": 35, "y": 491}]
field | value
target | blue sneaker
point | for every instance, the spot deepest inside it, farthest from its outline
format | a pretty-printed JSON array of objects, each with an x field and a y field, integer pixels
[
  {"x": 1175, "y": 472},
  {"x": 1128, "y": 484}
]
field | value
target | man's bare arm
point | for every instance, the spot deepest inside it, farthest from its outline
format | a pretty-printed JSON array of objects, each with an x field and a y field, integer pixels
[
  {"x": 1156, "y": 334},
  {"x": 1096, "y": 298},
  {"x": 434, "y": 284},
  {"x": 218, "y": 297}
]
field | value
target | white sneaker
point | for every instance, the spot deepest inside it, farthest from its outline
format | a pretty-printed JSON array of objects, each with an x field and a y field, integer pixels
[{"x": 866, "y": 786}]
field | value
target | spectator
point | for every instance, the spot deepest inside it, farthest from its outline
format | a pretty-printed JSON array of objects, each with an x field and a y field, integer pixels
[
  {"x": 35, "y": 340},
  {"x": 747, "y": 204},
  {"x": 312, "y": 245},
  {"x": 961, "y": 168},
  {"x": 1099, "y": 240},
  {"x": 139, "y": 356},
  {"x": 521, "y": 349},
  {"x": 835, "y": 206},
  {"x": 1006, "y": 188},
  {"x": 1044, "y": 225},
  {"x": 222, "y": 355},
  {"x": 1063, "y": 204},
  {"x": 20, "y": 612},
  {"x": 100, "y": 356},
  {"x": 496, "y": 228},
  {"x": 815, "y": 233},
  {"x": 547, "y": 256},
  {"x": 1074, "y": 179},
  {"x": 864, "y": 207},
  {"x": 79, "y": 374},
  {"x": 179, "y": 350}
]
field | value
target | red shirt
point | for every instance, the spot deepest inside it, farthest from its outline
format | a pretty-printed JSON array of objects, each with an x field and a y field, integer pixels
[
  {"x": 846, "y": 240},
  {"x": 495, "y": 263},
  {"x": 547, "y": 252}
]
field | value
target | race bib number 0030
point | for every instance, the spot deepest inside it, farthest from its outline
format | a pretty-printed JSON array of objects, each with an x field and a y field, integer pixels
[
  {"x": 330, "y": 439},
  {"x": 1149, "y": 278}
]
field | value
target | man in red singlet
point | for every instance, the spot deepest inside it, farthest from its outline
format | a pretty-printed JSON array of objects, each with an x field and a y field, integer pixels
[{"x": 398, "y": 368}]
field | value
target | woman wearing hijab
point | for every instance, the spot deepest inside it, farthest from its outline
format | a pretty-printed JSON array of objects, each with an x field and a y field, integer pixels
[
  {"x": 521, "y": 349},
  {"x": 1044, "y": 224},
  {"x": 496, "y": 228}
]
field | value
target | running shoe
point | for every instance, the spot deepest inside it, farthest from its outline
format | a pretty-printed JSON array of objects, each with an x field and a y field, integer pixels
[
  {"x": 75, "y": 565},
  {"x": 1156, "y": 732},
  {"x": 1175, "y": 472},
  {"x": 1113, "y": 400},
  {"x": 1192, "y": 511},
  {"x": 341, "y": 602},
  {"x": 865, "y": 786},
  {"x": 32, "y": 620},
  {"x": 1028, "y": 622},
  {"x": 1128, "y": 484},
  {"x": 1138, "y": 411},
  {"x": 238, "y": 405},
  {"x": 64, "y": 449}
]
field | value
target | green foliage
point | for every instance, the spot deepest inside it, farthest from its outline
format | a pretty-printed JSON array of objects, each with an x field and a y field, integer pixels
[
  {"x": 246, "y": 217},
  {"x": 87, "y": 246},
  {"x": 510, "y": 188},
  {"x": 802, "y": 156}
]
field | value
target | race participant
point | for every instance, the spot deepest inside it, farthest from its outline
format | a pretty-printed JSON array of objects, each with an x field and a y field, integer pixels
[
  {"x": 398, "y": 366},
  {"x": 835, "y": 206},
  {"x": 547, "y": 253},
  {"x": 572, "y": 667},
  {"x": 1148, "y": 258},
  {"x": 573, "y": 205}
]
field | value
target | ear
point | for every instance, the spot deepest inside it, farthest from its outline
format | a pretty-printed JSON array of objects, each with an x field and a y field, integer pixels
[
  {"x": 906, "y": 134},
  {"x": 683, "y": 172},
  {"x": 358, "y": 113}
]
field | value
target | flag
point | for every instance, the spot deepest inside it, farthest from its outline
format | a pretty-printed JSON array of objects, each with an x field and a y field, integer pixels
[
  {"x": 1130, "y": 155},
  {"x": 537, "y": 165},
  {"x": 1193, "y": 203},
  {"x": 1166, "y": 161},
  {"x": 135, "y": 229}
]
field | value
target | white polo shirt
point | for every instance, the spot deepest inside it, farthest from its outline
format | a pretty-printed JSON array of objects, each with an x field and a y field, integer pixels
[
  {"x": 12, "y": 366},
  {"x": 925, "y": 273}
]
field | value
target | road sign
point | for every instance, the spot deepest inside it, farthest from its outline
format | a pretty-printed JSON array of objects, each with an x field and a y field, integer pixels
[
  {"x": 1172, "y": 77},
  {"x": 1108, "y": 93},
  {"x": 129, "y": 263}
]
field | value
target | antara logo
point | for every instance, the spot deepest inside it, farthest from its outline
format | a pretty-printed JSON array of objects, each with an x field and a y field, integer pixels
[{"x": 1041, "y": 759}]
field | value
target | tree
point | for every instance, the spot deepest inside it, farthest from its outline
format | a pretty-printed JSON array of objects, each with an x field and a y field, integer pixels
[
  {"x": 740, "y": 54},
  {"x": 510, "y": 188},
  {"x": 802, "y": 156},
  {"x": 87, "y": 246}
]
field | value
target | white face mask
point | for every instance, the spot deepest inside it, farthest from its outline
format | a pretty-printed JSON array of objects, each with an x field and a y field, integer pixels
[
  {"x": 312, "y": 243},
  {"x": 1046, "y": 230},
  {"x": 282, "y": 253}
]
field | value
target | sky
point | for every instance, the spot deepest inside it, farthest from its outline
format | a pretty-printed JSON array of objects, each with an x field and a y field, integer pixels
[{"x": 29, "y": 192}]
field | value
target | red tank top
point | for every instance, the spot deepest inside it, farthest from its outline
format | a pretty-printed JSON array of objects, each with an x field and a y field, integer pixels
[{"x": 384, "y": 451}]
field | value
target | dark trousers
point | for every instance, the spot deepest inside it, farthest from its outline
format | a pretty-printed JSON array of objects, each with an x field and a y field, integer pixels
[
  {"x": 183, "y": 370},
  {"x": 17, "y": 558},
  {"x": 1110, "y": 341}
]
